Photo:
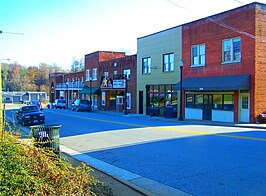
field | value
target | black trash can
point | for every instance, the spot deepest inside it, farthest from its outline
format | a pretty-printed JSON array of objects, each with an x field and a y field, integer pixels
[
  {"x": 46, "y": 136},
  {"x": 169, "y": 113}
]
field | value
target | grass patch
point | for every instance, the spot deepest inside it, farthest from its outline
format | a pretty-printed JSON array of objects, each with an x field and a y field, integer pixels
[{"x": 27, "y": 170}]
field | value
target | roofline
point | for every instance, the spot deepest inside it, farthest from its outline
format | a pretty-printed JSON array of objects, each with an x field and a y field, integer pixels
[
  {"x": 99, "y": 51},
  {"x": 159, "y": 32},
  {"x": 255, "y": 3},
  {"x": 221, "y": 13}
]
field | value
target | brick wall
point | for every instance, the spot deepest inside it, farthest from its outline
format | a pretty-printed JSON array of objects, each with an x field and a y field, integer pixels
[
  {"x": 126, "y": 62},
  {"x": 260, "y": 61},
  {"x": 92, "y": 61},
  {"x": 212, "y": 31}
]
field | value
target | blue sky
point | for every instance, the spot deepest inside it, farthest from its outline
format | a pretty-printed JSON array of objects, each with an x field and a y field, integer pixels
[{"x": 55, "y": 31}]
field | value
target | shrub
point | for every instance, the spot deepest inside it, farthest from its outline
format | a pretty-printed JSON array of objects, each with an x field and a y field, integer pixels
[{"x": 27, "y": 170}]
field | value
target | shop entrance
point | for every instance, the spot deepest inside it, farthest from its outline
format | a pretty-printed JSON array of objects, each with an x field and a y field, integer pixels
[
  {"x": 244, "y": 107},
  {"x": 207, "y": 107},
  {"x": 119, "y": 103}
]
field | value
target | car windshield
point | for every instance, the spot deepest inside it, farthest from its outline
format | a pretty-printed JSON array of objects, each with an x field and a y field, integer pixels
[
  {"x": 28, "y": 109},
  {"x": 84, "y": 101},
  {"x": 61, "y": 101}
]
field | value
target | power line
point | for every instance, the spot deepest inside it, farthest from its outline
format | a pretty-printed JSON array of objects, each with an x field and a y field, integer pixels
[
  {"x": 11, "y": 33},
  {"x": 219, "y": 22}
]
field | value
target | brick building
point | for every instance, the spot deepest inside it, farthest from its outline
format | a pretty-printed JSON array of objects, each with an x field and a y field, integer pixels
[
  {"x": 224, "y": 70},
  {"x": 102, "y": 69},
  {"x": 118, "y": 77},
  {"x": 66, "y": 86}
]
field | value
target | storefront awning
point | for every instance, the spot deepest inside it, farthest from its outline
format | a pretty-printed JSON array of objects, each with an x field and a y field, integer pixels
[
  {"x": 214, "y": 83},
  {"x": 86, "y": 90}
]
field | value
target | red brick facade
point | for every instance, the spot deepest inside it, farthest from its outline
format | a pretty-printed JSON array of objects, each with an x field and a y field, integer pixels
[
  {"x": 92, "y": 61},
  {"x": 249, "y": 24},
  {"x": 121, "y": 64},
  {"x": 260, "y": 60},
  {"x": 104, "y": 62}
]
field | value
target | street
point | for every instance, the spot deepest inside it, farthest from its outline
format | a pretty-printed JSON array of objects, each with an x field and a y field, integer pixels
[{"x": 196, "y": 159}]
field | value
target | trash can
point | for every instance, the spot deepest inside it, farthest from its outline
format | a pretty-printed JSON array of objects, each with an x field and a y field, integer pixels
[
  {"x": 46, "y": 136},
  {"x": 169, "y": 113}
]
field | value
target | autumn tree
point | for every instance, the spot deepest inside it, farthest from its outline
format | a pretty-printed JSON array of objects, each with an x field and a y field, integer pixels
[{"x": 19, "y": 78}]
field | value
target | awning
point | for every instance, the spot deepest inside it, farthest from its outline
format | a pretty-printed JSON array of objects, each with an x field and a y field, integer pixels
[
  {"x": 86, "y": 90},
  {"x": 215, "y": 83}
]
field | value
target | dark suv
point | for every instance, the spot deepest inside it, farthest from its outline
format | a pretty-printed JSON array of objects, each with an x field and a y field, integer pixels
[
  {"x": 60, "y": 103},
  {"x": 81, "y": 105}
]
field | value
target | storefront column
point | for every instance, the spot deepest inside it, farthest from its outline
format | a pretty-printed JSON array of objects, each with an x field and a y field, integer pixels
[{"x": 236, "y": 106}]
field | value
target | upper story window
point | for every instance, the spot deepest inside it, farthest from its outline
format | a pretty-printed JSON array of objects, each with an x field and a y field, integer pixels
[
  {"x": 146, "y": 65},
  {"x": 168, "y": 62},
  {"x": 127, "y": 73},
  {"x": 94, "y": 74},
  {"x": 106, "y": 74},
  {"x": 87, "y": 74},
  {"x": 198, "y": 55},
  {"x": 232, "y": 50}
]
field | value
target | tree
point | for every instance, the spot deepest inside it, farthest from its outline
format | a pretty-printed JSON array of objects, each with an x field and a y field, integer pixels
[{"x": 19, "y": 78}]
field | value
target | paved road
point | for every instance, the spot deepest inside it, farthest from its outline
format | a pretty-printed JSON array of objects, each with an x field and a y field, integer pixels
[{"x": 196, "y": 159}]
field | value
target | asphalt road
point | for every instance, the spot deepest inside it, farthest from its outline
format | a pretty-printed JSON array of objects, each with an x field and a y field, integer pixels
[{"x": 199, "y": 160}]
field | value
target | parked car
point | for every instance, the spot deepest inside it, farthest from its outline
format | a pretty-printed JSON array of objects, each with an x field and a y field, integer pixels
[
  {"x": 261, "y": 118},
  {"x": 36, "y": 102},
  {"x": 29, "y": 115},
  {"x": 60, "y": 103},
  {"x": 81, "y": 105}
]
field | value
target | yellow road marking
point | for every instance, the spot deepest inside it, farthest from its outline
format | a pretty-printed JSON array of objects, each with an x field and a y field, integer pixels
[
  {"x": 167, "y": 128},
  {"x": 101, "y": 120}
]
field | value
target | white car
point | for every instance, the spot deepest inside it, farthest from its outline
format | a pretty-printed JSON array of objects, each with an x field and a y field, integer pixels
[{"x": 60, "y": 103}]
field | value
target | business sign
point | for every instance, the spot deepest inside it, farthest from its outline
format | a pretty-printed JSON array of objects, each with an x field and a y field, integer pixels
[{"x": 119, "y": 83}]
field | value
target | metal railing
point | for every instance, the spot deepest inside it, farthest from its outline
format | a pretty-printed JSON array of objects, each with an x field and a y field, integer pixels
[{"x": 70, "y": 85}]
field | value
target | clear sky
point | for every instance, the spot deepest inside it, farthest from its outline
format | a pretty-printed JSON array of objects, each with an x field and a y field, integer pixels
[{"x": 55, "y": 31}]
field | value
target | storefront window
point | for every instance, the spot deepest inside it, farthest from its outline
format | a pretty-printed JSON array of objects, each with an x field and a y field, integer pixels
[
  {"x": 190, "y": 101},
  {"x": 112, "y": 98},
  {"x": 198, "y": 101},
  {"x": 162, "y": 100},
  {"x": 160, "y": 95},
  {"x": 156, "y": 99},
  {"x": 168, "y": 88},
  {"x": 161, "y": 88},
  {"x": 168, "y": 98},
  {"x": 228, "y": 102},
  {"x": 218, "y": 102},
  {"x": 155, "y": 89},
  {"x": 174, "y": 99}
]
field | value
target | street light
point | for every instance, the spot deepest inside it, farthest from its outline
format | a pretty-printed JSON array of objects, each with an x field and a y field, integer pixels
[
  {"x": 67, "y": 94},
  {"x": 125, "y": 104},
  {"x": 181, "y": 64},
  {"x": 90, "y": 91}
]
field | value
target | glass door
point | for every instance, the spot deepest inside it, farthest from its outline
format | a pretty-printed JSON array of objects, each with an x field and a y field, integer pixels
[{"x": 207, "y": 107}]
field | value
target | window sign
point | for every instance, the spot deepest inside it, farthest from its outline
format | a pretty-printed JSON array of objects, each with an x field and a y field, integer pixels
[
  {"x": 129, "y": 101},
  {"x": 103, "y": 99},
  {"x": 119, "y": 83}
]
